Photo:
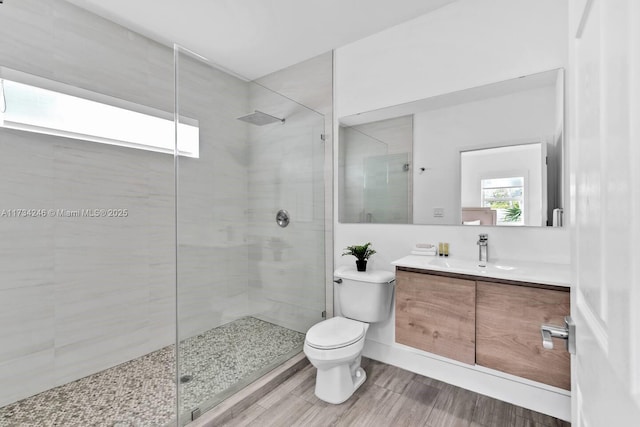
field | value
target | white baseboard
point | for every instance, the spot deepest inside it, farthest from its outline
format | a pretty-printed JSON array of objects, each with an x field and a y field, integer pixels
[{"x": 521, "y": 392}]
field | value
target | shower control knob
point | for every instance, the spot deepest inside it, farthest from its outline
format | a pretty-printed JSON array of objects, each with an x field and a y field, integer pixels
[{"x": 282, "y": 218}]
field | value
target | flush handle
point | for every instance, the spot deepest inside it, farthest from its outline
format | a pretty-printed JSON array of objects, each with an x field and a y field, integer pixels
[{"x": 567, "y": 333}]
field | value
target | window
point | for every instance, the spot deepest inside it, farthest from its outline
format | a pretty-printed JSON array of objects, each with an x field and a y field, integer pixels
[
  {"x": 506, "y": 196},
  {"x": 90, "y": 116}
]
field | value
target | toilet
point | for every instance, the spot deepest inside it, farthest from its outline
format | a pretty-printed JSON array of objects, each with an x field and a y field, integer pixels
[{"x": 334, "y": 346}]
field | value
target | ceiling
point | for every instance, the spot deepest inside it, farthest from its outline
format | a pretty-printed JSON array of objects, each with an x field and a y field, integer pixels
[{"x": 253, "y": 38}]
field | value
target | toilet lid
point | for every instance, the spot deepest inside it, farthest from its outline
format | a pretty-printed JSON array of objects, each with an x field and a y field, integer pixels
[{"x": 334, "y": 333}]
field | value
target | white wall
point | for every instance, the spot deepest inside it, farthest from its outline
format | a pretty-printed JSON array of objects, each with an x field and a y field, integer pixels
[{"x": 462, "y": 45}]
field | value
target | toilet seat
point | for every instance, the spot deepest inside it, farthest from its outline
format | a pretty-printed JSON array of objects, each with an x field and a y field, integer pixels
[{"x": 335, "y": 333}]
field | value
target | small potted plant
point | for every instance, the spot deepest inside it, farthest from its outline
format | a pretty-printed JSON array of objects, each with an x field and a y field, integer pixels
[{"x": 362, "y": 253}]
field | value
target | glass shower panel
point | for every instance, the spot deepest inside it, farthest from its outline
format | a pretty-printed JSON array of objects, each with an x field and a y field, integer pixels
[{"x": 248, "y": 289}]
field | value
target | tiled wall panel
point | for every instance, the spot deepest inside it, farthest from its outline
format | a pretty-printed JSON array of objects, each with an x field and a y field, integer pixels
[{"x": 78, "y": 295}]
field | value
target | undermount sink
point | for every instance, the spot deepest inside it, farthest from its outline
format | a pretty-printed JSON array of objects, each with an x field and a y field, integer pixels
[
  {"x": 468, "y": 265},
  {"x": 534, "y": 272},
  {"x": 460, "y": 265}
]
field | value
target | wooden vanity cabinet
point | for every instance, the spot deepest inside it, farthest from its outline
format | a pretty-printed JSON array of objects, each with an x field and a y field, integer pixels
[
  {"x": 508, "y": 319},
  {"x": 436, "y": 314},
  {"x": 495, "y": 324}
]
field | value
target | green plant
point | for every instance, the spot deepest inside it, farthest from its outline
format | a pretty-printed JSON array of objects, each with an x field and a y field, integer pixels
[
  {"x": 513, "y": 213},
  {"x": 361, "y": 252}
]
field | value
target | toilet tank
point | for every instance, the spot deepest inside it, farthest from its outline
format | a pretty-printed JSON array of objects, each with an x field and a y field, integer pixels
[{"x": 365, "y": 295}]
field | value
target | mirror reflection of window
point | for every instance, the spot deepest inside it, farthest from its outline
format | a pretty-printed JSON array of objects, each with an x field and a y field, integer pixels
[
  {"x": 506, "y": 197},
  {"x": 509, "y": 179}
]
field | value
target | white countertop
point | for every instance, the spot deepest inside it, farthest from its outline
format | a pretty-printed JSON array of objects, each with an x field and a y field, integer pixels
[{"x": 521, "y": 271}]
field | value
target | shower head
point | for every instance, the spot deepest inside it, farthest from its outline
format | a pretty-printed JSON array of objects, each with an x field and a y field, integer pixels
[{"x": 259, "y": 118}]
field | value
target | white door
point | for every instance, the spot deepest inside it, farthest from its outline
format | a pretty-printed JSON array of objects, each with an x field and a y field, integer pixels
[{"x": 604, "y": 106}]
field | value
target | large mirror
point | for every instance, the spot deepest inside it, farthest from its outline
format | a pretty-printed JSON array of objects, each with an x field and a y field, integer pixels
[{"x": 490, "y": 155}]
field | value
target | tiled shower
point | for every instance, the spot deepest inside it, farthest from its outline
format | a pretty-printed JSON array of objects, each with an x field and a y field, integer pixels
[{"x": 198, "y": 259}]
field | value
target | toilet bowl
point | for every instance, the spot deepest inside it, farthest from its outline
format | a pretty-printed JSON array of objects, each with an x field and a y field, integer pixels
[{"x": 334, "y": 346}]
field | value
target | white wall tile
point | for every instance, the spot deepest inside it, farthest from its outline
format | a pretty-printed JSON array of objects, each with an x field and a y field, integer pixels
[
  {"x": 20, "y": 377},
  {"x": 26, "y": 321},
  {"x": 288, "y": 171},
  {"x": 89, "y": 293}
]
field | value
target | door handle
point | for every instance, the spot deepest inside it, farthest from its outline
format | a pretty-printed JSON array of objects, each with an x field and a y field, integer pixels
[{"x": 567, "y": 333}]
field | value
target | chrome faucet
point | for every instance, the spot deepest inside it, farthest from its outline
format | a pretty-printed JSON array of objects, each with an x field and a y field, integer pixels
[{"x": 483, "y": 248}]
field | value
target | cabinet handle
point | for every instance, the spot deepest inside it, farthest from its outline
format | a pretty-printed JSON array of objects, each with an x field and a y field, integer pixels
[{"x": 567, "y": 333}]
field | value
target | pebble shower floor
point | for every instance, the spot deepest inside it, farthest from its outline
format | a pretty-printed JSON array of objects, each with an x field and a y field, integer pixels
[{"x": 142, "y": 392}]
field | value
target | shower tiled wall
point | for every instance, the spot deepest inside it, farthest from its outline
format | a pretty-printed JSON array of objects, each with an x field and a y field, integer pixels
[
  {"x": 78, "y": 295},
  {"x": 288, "y": 171}
]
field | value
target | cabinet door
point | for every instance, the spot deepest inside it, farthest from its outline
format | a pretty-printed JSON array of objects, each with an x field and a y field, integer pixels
[
  {"x": 436, "y": 314},
  {"x": 508, "y": 332}
]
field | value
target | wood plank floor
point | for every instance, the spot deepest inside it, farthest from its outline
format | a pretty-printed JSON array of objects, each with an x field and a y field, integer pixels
[{"x": 390, "y": 397}]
